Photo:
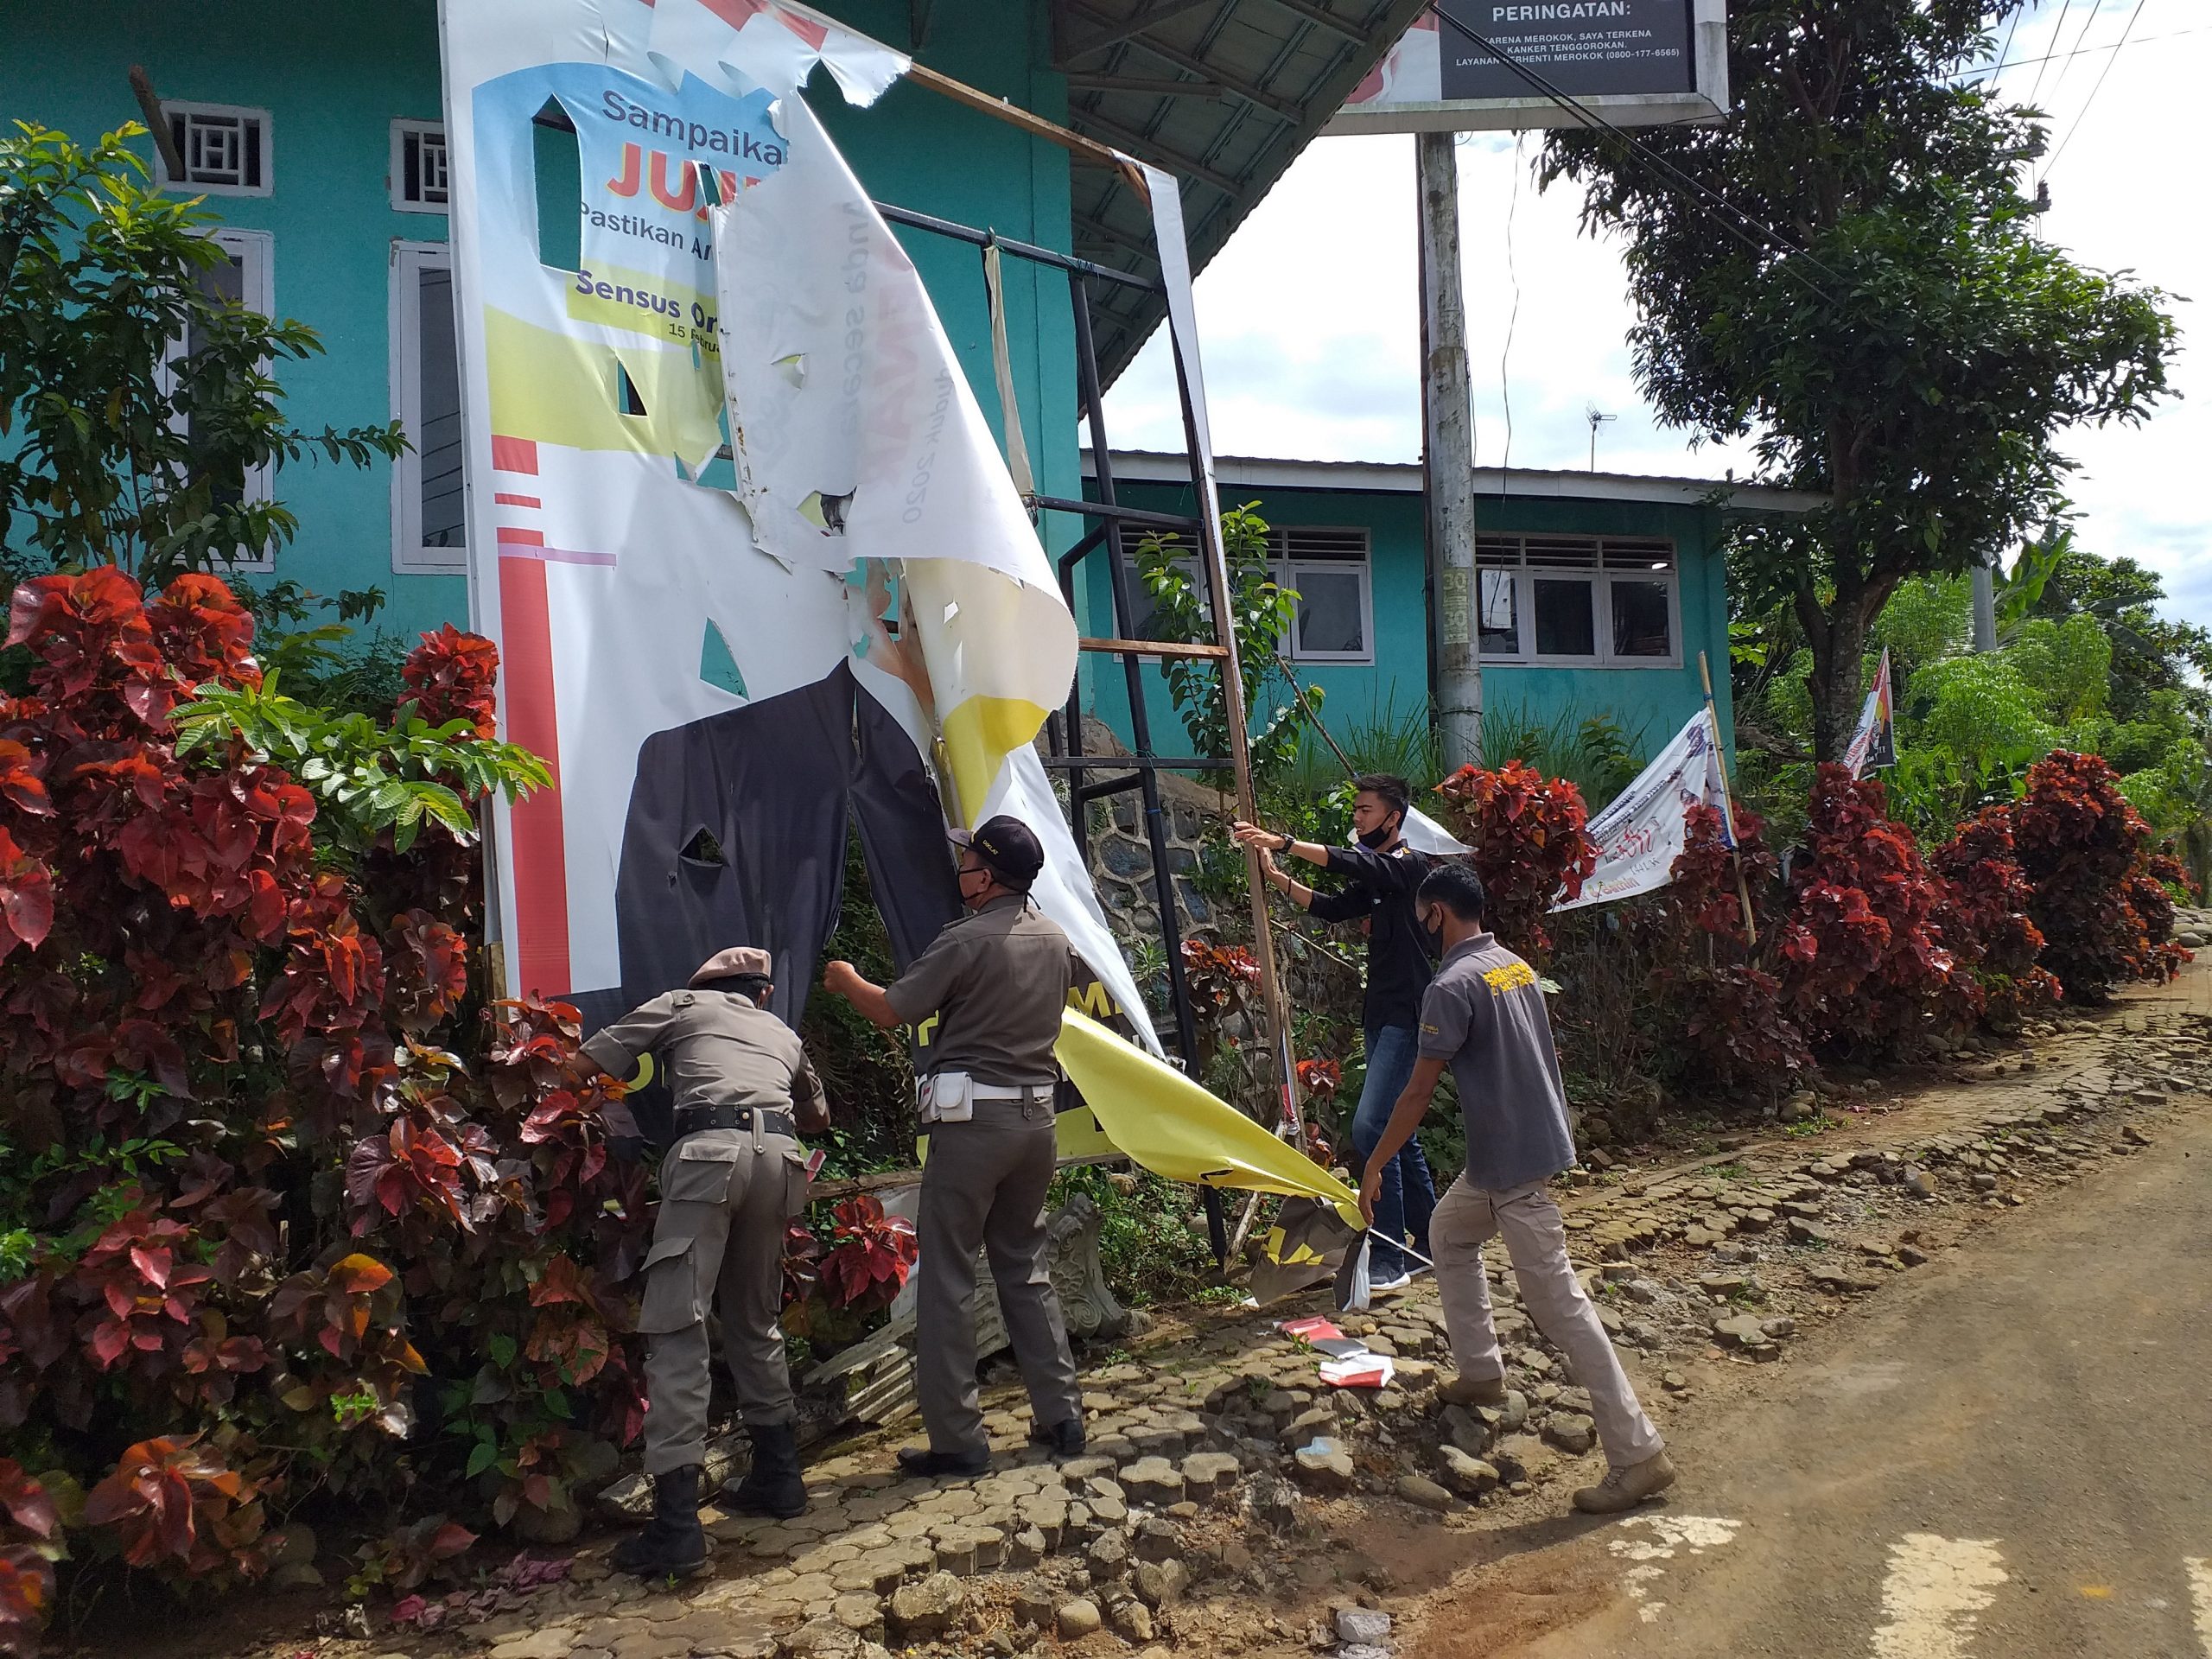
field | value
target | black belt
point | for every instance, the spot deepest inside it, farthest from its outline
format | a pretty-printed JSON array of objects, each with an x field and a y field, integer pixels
[{"x": 693, "y": 1120}]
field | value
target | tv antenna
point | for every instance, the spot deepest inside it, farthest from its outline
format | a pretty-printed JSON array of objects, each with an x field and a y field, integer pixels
[{"x": 1596, "y": 420}]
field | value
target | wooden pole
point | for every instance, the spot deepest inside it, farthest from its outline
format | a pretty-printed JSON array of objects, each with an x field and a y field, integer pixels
[
  {"x": 1727, "y": 799},
  {"x": 157, "y": 122}
]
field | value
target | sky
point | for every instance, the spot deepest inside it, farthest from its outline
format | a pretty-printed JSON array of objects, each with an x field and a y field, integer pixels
[{"x": 1311, "y": 336}]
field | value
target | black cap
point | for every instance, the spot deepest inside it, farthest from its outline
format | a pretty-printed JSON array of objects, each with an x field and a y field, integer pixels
[{"x": 1008, "y": 847}]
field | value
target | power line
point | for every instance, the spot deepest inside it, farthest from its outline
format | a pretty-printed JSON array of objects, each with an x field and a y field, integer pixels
[
  {"x": 2084, "y": 114},
  {"x": 2139, "y": 40},
  {"x": 2012, "y": 35},
  {"x": 1768, "y": 239},
  {"x": 2066, "y": 63},
  {"x": 1513, "y": 318},
  {"x": 2056, "y": 35}
]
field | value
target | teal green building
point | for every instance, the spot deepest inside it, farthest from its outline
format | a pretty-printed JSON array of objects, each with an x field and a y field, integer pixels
[
  {"x": 316, "y": 131},
  {"x": 1598, "y": 591}
]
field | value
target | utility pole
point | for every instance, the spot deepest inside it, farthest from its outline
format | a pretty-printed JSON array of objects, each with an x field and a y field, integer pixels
[
  {"x": 1448, "y": 457},
  {"x": 1985, "y": 605}
]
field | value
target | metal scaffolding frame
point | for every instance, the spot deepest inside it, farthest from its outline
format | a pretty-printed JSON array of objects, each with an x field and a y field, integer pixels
[{"x": 1138, "y": 772}]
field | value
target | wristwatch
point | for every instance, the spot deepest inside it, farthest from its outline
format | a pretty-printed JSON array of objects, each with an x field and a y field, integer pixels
[{"x": 1287, "y": 842}]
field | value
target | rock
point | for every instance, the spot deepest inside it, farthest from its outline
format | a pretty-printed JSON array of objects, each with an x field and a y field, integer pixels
[
  {"x": 1356, "y": 1652},
  {"x": 1424, "y": 1493},
  {"x": 1803, "y": 1231},
  {"x": 1161, "y": 1583},
  {"x": 822, "y": 1638},
  {"x": 1274, "y": 1504},
  {"x": 1108, "y": 1558},
  {"x": 1153, "y": 1480},
  {"x": 861, "y": 1614},
  {"x": 1983, "y": 1183},
  {"x": 1911, "y": 1256},
  {"x": 1739, "y": 1331},
  {"x": 1324, "y": 1465},
  {"x": 1077, "y": 1619},
  {"x": 1131, "y": 1620},
  {"x": 1362, "y": 1627},
  {"x": 1468, "y": 1476},
  {"x": 1570, "y": 1431},
  {"x": 923, "y": 1609},
  {"x": 1034, "y": 1603},
  {"x": 552, "y": 1642},
  {"x": 1026, "y": 1547},
  {"x": 1466, "y": 1431},
  {"x": 1209, "y": 1474},
  {"x": 1725, "y": 1285},
  {"x": 1157, "y": 1540},
  {"x": 1779, "y": 1326}
]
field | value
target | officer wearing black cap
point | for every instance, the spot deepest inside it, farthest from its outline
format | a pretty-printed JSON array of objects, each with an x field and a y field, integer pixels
[
  {"x": 986, "y": 999},
  {"x": 730, "y": 1183}
]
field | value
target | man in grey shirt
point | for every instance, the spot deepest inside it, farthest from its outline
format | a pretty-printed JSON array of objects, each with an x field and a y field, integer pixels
[
  {"x": 1484, "y": 1016},
  {"x": 985, "y": 1001}
]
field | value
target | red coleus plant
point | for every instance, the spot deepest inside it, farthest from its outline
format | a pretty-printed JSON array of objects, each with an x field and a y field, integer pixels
[
  {"x": 216, "y": 1019},
  {"x": 1984, "y": 913},
  {"x": 453, "y": 676},
  {"x": 2089, "y": 859},
  {"x": 173, "y": 1501},
  {"x": 30, "y": 1538},
  {"x": 1530, "y": 850},
  {"x": 1879, "y": 966},
  {"x": 869, "y": 1256}
]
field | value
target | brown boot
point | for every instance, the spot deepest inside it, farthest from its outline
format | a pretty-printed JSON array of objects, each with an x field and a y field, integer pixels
[
  {"x": 1473, "y": 1391},
  {"x": 1622, "y": 1490}
]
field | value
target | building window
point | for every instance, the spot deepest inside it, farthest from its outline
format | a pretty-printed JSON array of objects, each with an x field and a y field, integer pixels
[
  {"x": 428, "y": 500},
  {"x": 1330, "y": 571},
  {"x": 225, "y": 150},
  {"x": 1611, "y": 601},
  {"x": 243, "y": 277},
  {"x": 418, "y": 166}
]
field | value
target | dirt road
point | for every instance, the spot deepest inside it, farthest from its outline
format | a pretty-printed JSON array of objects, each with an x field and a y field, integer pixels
[{"x": 2007, "y": 1456}]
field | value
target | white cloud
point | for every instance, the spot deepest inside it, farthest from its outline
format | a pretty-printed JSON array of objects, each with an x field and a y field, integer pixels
[{"x": 1312, "y": 338}]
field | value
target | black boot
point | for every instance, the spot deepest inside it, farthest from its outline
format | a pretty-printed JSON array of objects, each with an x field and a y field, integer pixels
[
  {"x": 1065, "y": 1440},
  {"x": 772, "y": 1485},
  {"x": 672, "y": 1546}
]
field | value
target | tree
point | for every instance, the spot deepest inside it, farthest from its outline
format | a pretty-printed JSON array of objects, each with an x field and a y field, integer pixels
[
  {"x": 1871, "y": 307},
  {"x": 2151, "y": 655},
  {"x": 134, "y": 400}
]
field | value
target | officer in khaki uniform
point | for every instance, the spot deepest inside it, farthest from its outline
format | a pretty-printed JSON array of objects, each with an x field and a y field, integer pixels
[
  {"x": 996, "y": 979},
  {"x": 733, "y": 1178}
]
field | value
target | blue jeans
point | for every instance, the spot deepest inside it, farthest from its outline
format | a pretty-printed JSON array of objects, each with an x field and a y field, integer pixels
[{"x": 1408, "y": 1195}]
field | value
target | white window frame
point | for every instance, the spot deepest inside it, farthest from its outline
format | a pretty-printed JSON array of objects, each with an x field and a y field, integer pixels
[
  {"x": 188, "y": 109},
  {"x": 402, "y": 129},
  {"x": 408, "y": 556},
  {"x": 1600, "y": 577},
  {"x": 255, "y": 251},
  {"x": 1287, "y": 563},
  {"x": 1284, "y": 563}
]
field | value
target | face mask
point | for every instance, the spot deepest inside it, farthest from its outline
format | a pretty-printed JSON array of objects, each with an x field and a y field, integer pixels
[{"x": 1375, "y": 840}]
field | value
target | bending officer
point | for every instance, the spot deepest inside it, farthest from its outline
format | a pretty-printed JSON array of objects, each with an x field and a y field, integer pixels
[{"x": 733, "y": 1178}]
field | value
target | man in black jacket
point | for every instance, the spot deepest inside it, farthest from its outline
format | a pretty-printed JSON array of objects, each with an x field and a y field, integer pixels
[{"x": 1384, "y": 874}]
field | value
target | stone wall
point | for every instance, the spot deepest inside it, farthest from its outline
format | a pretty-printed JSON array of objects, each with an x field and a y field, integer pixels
[{"x": 1120, "y": 853}]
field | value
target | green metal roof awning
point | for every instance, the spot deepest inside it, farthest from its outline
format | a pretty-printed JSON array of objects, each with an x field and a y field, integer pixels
[{"x": 1223, "y": 93}]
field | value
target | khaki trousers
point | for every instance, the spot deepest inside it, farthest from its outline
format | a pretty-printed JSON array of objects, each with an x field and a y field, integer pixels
[
  {"x": 726, "y": 1197},
  {"x": 1535, "y": 1243},
  {"x": 983, "y": 1187}
]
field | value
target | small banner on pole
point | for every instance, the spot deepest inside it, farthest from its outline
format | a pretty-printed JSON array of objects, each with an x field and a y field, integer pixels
[
  {"x": 1875, "y": 745},
  {"x": 1639, "y": 837}
]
